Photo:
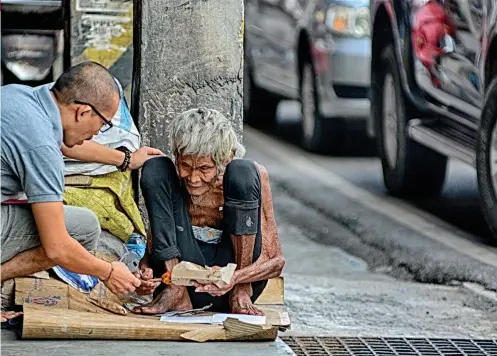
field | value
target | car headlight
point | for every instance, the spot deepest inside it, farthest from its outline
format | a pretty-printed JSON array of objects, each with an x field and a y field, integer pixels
[{"x": 348, "y": 21}]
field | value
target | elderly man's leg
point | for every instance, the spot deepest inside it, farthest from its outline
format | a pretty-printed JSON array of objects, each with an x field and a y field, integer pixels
[
  {"x": 21, "y": 251},
  {"x": 171, "y": 231},
  {"x": 242, "y": 216}
]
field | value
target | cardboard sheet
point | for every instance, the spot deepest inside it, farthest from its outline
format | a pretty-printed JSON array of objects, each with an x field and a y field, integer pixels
[{"x": 52, "y": 309}]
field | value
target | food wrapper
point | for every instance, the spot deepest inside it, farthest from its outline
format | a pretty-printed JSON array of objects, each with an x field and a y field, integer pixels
[{"x": 184, "y": 273}]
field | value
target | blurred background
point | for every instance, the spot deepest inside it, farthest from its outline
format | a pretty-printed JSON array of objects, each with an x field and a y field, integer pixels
[{"x": 307, "y": 81}]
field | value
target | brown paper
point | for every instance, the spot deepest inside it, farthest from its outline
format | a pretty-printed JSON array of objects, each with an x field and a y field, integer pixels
[{"x": 184, "y": 273}]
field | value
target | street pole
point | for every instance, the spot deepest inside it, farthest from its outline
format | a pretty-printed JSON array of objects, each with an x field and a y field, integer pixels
[{"x": 187, "y": 54}]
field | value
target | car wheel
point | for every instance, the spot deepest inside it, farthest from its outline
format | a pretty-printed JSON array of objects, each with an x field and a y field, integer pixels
[
  {"x": 409, "y": 168},
  {"x": 259, "y": 106},
  {"x": 486, "y": 158},
  {"x": 319, "y": 134}
]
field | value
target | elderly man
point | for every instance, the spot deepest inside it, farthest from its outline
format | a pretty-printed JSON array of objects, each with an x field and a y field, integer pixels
[
  {"x": 211, "y": 208},
  {"x": 38, "y": 232}
]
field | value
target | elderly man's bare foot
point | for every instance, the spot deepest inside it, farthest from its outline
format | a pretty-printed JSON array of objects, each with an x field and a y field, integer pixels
[
  {"x": 241, "y": 304},
  {"x": 172, "y": 298}
]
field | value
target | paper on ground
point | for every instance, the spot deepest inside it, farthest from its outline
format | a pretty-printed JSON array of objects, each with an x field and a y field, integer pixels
[{"x": 214, "y": 319}]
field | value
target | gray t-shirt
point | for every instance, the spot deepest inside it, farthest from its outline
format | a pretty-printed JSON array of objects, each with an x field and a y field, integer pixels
[{"x": 31, "y": 140}]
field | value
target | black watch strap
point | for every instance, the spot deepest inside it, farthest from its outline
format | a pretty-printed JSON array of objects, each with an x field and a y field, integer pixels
[{"x": 127, "y": 159}]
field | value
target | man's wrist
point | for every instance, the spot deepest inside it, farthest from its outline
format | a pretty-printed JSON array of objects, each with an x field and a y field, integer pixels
[
  {"x": 105, "y": 270},
  {"x": 236, "y": 277},
  {"x": 126, "y": 162},
  {"x": 119, "y": 158},
  {"x": 169, "y": 265}
]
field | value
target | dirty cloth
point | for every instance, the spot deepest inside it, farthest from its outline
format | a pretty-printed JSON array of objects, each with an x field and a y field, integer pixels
[
  {"x": 111, "y": 245},
  {"x": 110, "y": 197},
  {"x": 171, "y": 226},
  {"x": 207, "y": 234},
  {"x": 80, "y": 282}
]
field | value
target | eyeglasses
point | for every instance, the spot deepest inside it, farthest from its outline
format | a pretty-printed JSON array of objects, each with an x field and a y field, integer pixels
[{"x": 108, "y": 124}]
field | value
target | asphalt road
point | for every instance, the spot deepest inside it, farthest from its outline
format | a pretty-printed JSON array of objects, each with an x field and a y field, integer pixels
[
  {"x": 363, "y": 263},
  {"x": 458, "y": 204}
]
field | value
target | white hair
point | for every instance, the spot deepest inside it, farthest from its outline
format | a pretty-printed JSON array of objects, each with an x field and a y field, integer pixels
[{"x": 205, "y": 132}]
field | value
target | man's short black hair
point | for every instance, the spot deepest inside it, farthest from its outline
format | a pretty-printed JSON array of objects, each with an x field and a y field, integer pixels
[{"x": 88, "y": 82}]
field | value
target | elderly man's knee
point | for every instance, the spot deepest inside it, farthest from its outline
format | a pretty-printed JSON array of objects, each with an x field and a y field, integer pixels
[
  {"x": 82, "y": 224},
  {"x": 242, "y": 180},
  {"x": 154, "y": 170}
]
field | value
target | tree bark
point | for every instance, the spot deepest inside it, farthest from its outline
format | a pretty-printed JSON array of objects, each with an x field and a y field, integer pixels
[{"x": 188, "y": 53}]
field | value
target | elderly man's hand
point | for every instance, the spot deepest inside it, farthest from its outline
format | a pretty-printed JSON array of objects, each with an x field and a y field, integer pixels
[
  {"x": 146, "y": 287},
  {"x": 140, "y": 156},
  {"x": 214, "y": 290}
]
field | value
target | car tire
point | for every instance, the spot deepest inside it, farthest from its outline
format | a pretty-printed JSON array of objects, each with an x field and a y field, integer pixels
[
  {"x": 409, "y": 168},
  {"x": 486, "y": 156},
  {"x": 319, "y": 134},
  {"x": 259, "y": 106}
]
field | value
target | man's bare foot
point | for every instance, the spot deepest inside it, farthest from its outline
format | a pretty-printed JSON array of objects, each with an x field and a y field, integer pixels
[
  {"x": 7, "y": 315},
  {"x": 172, "y": 298},
  {"x": 241, "y": 304}
]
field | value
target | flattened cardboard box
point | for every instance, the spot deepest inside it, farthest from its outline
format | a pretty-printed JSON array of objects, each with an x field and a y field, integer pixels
[{"x": 47, "y": 302}]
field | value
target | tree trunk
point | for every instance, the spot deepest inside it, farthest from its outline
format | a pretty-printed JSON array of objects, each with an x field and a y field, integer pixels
[{"x": 188, "y": 53}]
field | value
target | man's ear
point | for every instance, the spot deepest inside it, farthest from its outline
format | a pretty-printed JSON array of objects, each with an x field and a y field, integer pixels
[{"x": 82, "y": 111}]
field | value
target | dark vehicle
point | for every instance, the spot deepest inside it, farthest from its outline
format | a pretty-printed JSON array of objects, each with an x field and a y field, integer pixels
[
  {"x": 434, "y": 94},
  {"x": 314, "y": 51},
  {"x": 32, "y": 41}
]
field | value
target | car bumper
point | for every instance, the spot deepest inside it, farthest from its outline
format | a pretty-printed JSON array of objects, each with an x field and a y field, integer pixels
[{"x": 343, "y": 71}]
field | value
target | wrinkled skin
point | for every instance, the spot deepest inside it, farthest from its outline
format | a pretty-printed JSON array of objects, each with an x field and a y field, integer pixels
[
  {"x": 205, "y": 186},
  {"x": 7, "y": 315}
]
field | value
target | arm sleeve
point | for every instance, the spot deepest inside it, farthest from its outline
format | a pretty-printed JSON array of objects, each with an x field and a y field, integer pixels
[{"x": 41, "y": 172}]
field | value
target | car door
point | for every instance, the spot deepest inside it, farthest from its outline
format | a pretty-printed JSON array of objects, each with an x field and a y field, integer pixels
[
  {"x": 448, "y": 35},
  {"x": 463, "y": 50},
  {"x": 272, "y": 45}
]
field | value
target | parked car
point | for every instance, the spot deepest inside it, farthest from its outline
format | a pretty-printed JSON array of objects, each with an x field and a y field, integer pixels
[
  {"x": 434, "y": 94},
  {"x": 317, "y": 52},
  {"x": 32, "y": 41}
]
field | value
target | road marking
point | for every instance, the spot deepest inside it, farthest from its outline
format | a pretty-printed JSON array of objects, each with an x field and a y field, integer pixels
[{"x": 397, "y": 210}]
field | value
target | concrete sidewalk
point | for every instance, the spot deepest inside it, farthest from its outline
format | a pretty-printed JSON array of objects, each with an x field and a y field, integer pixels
[{"x": 12, "y": 347}]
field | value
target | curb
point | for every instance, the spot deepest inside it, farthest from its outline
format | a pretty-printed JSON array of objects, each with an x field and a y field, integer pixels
[{"x": 481, "y": 291}]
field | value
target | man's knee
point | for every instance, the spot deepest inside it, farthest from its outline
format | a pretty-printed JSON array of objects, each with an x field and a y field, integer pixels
[
  {"x": 242, "y": 191},
  {"x": 154, "y": 170},
  {"x": 82, "y": 224},
  {"x": 242, "y": 180}
]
